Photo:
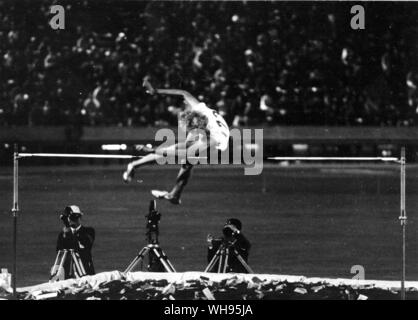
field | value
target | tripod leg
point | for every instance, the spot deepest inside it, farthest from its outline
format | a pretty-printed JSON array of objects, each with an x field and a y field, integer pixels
[
  {"x": 63, "y": 261},
  {"x": 78, "y": 264},
  {"x": 221, "y": 260},
  {"x": 244, "y": 264},
  {"x": 59, "y": 261},
  {"x": 165, "y": 258},
  {"x": 73, "y": 264},
  {"x": 170, "y": 264},
  {"x": 213, "y": 261},
  {"x": 226, "y": 258},
  {"x": 59, "y": 253},
  {"x": 137, "y": 259},
  {"x": 161, "y": 259},
  {"x": 55, "y": 266},
  {"x": 64, "y": 257}
]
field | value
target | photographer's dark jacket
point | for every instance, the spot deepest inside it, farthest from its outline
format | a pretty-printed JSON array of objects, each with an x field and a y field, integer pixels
[
  {"x": 242, "y": 245},
  {"x": 82, "y": 241}
]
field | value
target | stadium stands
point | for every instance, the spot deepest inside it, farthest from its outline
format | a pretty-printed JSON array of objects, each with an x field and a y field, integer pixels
[{"x": 259, "y": 64}]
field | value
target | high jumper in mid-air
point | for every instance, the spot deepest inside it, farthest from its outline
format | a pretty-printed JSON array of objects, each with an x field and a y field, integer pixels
[{"x": 204, "y": 128}]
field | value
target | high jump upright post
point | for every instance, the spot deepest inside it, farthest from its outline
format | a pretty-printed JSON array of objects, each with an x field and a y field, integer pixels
[
  {"x": 15, "y": 211},
  {"x": 403, "y": 218}
]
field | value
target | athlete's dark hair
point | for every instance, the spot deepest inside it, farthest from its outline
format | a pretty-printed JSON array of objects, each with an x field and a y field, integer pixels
[{"x": 194, "y": 120}]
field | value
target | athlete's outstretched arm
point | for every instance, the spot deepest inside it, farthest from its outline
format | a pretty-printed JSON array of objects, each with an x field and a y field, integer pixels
[{"x": 192, "y": 101}]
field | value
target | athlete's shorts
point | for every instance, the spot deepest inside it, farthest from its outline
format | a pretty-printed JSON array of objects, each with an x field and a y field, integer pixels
[{"x": 221, "y": 140}]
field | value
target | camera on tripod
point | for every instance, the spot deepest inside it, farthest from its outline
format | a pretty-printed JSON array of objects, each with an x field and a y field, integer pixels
[
  {"x": 158, "y": 260},
  {"x": 231, "y": 250},
  {"x": 68, "y": 262},
  {"x": 70, "y": 213},
  {"x": 153, "y": 221},
  {"x": 227, "y": 231},
  {"x": 64, "y": 216}
]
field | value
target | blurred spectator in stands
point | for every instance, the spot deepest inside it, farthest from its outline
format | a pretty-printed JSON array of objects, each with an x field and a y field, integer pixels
[{"x": 257, "y": 64}]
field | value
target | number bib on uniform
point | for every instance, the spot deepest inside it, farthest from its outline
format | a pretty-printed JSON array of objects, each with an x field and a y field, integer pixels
[{"x": 219, "y": 130}]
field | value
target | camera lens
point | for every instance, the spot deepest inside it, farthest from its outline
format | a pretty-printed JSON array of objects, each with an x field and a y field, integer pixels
[
  {"x": 73, "y": 217},
  {"x": 227, "y": 232}
]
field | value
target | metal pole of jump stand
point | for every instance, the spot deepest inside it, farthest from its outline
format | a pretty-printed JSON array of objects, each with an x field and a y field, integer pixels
[
  {"x": 403, "y": 219},
  {"x": 15, "y": 210}
]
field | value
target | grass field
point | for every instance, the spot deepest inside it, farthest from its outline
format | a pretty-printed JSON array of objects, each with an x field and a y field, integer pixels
[{"x": 312, "y": 220}]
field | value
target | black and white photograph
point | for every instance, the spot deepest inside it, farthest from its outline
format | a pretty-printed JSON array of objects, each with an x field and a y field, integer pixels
[{"x": 221, "y": 151}]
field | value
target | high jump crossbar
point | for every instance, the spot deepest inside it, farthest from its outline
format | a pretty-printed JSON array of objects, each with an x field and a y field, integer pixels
[
  {"x": 71, "y": 155},
  {"x": 86, "y": 156},
  {"x": 383, "y": 159},
  {"x": 15, "y": 207}
]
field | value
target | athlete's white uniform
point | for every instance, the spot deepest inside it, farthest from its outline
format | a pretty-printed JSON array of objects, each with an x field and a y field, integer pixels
[{"x": 217, "y": 126}]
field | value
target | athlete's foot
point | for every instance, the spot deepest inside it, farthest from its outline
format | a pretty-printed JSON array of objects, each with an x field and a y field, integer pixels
[
  {"x": 128, "y": 174},
  {"x": 126, "y": 177},
  {"x": 165, "y": 195}
]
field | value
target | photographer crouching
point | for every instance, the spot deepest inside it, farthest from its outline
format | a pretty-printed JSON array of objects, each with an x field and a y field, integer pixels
[
  {"x": 74, "y": 244},
  {"x": 229, "y": 253}
]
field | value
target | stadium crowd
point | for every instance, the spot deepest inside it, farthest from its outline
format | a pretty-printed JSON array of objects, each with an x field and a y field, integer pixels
[{"x": 257, "y": 63}]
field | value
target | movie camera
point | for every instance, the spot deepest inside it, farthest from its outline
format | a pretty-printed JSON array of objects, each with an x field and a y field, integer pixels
[
  {"x": 153, "y": 220},
  {"x": 158, "y": 260},
  {"x": 68, "y": 215}
]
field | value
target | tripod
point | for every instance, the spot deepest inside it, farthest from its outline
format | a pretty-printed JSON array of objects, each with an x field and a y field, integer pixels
[
  {"x": 153, "y": 249},
  {"x": 222, "y": 256},
  {"x": 159, "y": 254},
  {"x": 76, "y": 267}
]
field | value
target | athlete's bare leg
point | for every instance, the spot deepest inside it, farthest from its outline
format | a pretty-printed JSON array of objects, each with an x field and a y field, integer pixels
[
  {"x": 169, "y": 151},
  {"x": 129, "y": 173},
  {"x": 181, "y": 181},
  {"x": 183, "y": 176}
]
